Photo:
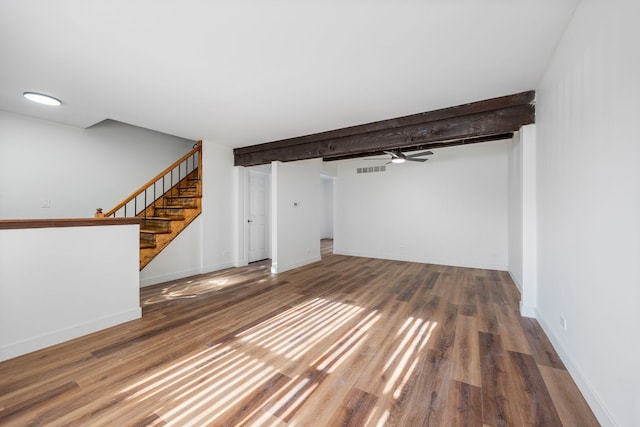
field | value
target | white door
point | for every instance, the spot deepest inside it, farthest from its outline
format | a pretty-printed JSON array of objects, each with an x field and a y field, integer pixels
[{"x": 258, "y": 216}]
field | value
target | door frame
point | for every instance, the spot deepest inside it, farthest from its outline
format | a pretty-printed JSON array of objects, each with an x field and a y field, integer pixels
[{"x": 266, "y": 170}]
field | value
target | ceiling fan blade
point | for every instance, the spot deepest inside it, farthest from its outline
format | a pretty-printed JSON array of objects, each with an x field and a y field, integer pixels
[
  {"x": 415, "y": 160},
  {"x": 392, "y": 154},
  {"x": 424, "y": 153}
]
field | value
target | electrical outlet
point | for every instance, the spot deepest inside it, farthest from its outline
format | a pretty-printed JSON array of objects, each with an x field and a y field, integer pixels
[
  {"x": 563, "y": 323},
  {"x": 225, "y": 253},
  {"x": 46, "y": 203}
]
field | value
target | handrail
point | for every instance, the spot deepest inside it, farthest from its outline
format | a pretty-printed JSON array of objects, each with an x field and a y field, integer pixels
[
  {"x": 16, "y": 224},
  {"x": 197, "y": 148}
]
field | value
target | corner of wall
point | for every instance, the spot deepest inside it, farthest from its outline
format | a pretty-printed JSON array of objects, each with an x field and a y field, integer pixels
[
  {"x": 276, "y": 268},
  {"x": 527, "y": 311},
  {"x": 591, "y": 396}
]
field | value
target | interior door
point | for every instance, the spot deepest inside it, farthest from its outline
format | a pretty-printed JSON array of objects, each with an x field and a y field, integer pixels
[{"x": 258, "y": 216}]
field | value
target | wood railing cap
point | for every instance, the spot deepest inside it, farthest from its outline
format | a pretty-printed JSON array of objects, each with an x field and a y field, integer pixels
[{"x": 9, "y": 224}]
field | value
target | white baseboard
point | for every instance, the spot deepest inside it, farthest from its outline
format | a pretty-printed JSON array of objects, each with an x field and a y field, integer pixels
[
  {"x": 527, "y": 311},
  {"x": 61, "y": 335},
  {"x": 217, "y": 267},
  {"x": 423, "y": 260},
  {"x": 601, "y": 412},
  {"x": 276, "y": 268},
  {"x": 150, "y": 281},
  {"x": 515, "y": 280}
]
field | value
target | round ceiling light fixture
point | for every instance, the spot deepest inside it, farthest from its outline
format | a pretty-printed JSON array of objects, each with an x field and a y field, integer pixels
[
  {"x": 397, "y": 160},
  {"x": 41, "y": 98}
]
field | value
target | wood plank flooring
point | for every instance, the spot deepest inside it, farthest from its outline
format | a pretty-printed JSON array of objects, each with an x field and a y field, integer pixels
[{"x": 345, "y": 341}]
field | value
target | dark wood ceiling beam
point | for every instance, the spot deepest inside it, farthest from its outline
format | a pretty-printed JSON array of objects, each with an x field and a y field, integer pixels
[
  {"x": 427, "y": 146},
  {"x": 472, "y": 122}
]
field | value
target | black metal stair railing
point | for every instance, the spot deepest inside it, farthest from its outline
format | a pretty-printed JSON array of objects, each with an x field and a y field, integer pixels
[{"x": 175, "y": 178}]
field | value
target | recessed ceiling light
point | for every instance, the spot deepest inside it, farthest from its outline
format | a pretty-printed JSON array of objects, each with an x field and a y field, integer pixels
[{"x": 41, "y": 99}]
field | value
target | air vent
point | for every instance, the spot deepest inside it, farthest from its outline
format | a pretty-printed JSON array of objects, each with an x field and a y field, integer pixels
[{"x": 372, "y": 169}]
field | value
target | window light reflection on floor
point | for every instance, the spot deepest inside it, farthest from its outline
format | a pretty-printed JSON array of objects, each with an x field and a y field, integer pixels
[
  {"x": 201, "y": 285},
  {"x": 308, "y": 323},
  {"x": 202, "y": 387}
]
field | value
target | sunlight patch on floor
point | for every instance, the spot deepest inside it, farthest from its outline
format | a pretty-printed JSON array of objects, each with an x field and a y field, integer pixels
[
  {"x": 300, "y": 328},
  {"x": 337, "y": 354},
  {"x": 198, "y": 286},
  {"x": 204, "y": 386}
]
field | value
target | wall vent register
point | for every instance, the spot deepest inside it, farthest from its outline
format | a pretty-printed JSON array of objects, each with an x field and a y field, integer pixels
[{"x": 372, "y": 169}]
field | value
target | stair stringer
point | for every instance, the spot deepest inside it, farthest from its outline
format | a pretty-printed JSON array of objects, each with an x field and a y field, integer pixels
[
  {"x": 171, "y": 213},
  {"x": 163, "y": 240}
]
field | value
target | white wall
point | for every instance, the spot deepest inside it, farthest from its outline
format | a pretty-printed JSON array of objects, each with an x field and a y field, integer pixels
[
  {"x": 588, "y": 105},
  {"x": 326, "y": 209},
  {"x": 515, "y": 210},
  {"x": 57, "y": 284},
  {"x": 450, "y": 210},
  {"x": 77, "y": 170},
  {"x": 218, "y": 207},
  {"x": 208, "y": 244},
  {"x": 523, "y": 217},
  {"x": 295, "y": 217}
]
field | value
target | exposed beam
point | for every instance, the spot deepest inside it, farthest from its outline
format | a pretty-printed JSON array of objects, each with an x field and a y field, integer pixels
[
  {"x": 463, "y": 124},
  {"x": 428, "y": 146}
]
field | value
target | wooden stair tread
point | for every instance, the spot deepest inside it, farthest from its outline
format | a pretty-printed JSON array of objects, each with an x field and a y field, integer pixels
[
  {"x": 147, "y": 245},
  {"x": 154, "y": 231},
  {"x": 164, "y": 218},
  {"x": 177, "y": 207}
]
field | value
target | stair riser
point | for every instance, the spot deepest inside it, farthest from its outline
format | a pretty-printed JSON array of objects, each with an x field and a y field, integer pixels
[
  {"x": 184, "y": 194},
  {"x": 147, "y": 238},
  {"x": 186, "y": 189},
  {"x": 168, "y": 212},
  {"x": 155, "y": 225},
  {"x": 186, "y": 202}
]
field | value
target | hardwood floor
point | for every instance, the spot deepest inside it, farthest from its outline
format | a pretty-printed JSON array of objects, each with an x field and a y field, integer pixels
[{"x": 346, "y": 341}]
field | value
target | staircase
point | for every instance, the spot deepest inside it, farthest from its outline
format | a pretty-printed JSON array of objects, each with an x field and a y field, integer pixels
[
  {"x": 172, "y": 213},
  {"x": 166, "y": 204}
]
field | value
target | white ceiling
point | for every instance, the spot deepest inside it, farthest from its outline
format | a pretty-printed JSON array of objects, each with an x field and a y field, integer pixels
[{"x": 243, "y": 72}]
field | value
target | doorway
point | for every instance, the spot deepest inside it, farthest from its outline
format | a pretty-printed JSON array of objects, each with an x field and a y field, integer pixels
[
  {"x": 326, "y": 214},
  {"x": 258, "y": 215}
]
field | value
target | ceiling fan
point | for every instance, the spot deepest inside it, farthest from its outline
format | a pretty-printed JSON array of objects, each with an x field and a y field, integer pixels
[{"x": 397, "y": 156}]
